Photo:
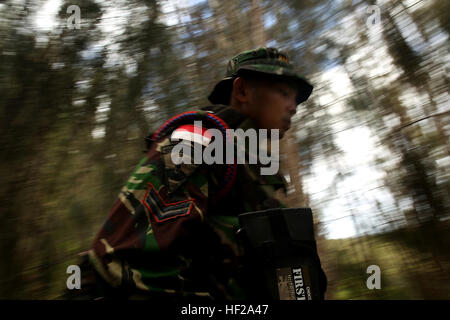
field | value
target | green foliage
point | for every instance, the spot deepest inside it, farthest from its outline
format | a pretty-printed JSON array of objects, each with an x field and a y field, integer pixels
[
  {"x": 407, "y": 272},
  {"x": 59, "y": 87}
]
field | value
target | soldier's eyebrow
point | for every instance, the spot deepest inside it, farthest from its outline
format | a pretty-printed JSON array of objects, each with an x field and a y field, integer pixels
[{"x": 291, "y": 85}]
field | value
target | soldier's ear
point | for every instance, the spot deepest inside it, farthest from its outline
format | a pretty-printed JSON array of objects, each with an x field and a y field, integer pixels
[{"x": 241, "y": 89}]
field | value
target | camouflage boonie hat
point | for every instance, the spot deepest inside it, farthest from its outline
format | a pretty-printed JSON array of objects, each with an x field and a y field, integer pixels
[{"x": 269, "y": 61}]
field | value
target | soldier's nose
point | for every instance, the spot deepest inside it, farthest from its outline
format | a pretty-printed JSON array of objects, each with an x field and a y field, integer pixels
[{"x": 292, "y": 108}]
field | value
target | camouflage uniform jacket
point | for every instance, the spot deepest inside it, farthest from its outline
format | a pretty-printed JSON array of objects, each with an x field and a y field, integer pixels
[{"x": 164, "y": 235}]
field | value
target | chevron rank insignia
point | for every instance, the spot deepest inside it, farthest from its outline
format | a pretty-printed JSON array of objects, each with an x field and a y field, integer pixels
[{"x": 163, "y": 211}]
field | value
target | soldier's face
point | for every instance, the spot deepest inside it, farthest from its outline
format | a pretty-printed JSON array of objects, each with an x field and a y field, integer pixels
[{"x": 272, "y": 104}]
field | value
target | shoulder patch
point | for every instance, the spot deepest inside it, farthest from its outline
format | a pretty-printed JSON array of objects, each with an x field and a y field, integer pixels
[
  {"x": 190, "y": 132},
  {"x": 162, "y": 210}
]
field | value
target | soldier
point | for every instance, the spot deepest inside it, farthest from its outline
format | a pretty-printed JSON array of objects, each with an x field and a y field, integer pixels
[{"x": 171, "y": 232}]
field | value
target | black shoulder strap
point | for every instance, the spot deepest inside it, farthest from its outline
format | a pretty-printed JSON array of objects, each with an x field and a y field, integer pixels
[{"x": 230, "y": 115}]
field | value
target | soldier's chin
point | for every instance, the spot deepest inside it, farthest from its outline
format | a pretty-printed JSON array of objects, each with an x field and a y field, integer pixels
[
  {"x": 283, "y": 131},
  {"x": 280, "y": 131}
]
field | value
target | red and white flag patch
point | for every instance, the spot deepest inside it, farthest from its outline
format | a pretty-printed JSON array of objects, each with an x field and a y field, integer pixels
[{"x": 190, "y": 132}]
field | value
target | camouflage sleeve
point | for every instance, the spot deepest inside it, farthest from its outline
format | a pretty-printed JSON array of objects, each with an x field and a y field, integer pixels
[{"x": 156, "y": 229}]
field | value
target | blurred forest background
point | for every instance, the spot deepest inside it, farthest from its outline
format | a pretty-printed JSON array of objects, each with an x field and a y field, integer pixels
[{"x": 369, "y": 152}]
